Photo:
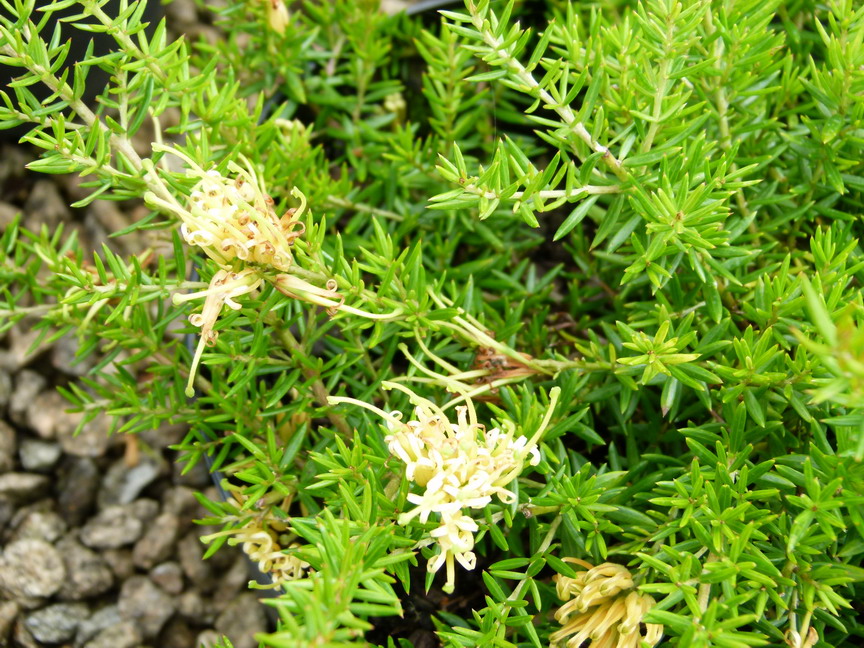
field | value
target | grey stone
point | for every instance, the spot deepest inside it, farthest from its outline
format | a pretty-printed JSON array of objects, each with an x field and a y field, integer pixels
[
  {"x": 19, "y": 353},
  {"x": 114, "y": 527},
  {"x": 23, "y": 487},
  {"x": 191, "y": 607},
  {"x": 31, "y": 568},
  {"x": 145, "y": 604},
  {"x": 26, "y": 602},
  {"x": 121, "y": 635},
  {"x": 191, "y": 555},
  {"x": 182, "y": 12},
  {"x": 243, "y": 617},
  {"x": 176, "y": 634},
  {"x": 5, "y": 389},
  {"x": 47, "y": 415},
  {"x": 28, "y": 384},
  {"x": 100, "y": 620},
  {"x": 181, "y": 501},
  {"x": 21, "y": 637},
  {"x": 40, "y": 525},
  {"x": 87, "y": 573},
  {"x": 197, "y": 476},
  {"x": 79, "y": 479},
  {"x": 7, "y": 215},
  {"x": 7, "y": 511},
  {"x": 158, "y": 541},
  {"x": 208, "y": 639},
  {"x": 145, "y": 509},
  {"x": 101, "y": 219},
  {"x": 120, "y": 562},
  {"x": 38, "y": 456},
  {"x": 56, "y": 623},
  {"x": 123, "y": 483},
  {"x": 8, "y": 614},
  {"x": 63, "y": 357},
  {"x": 168, "y": 576},
  {"x": 8, "y": 444},
  {"x": 13, "y": 159},
  {"x": 45, "y": 206},
  {"x": 232, "y": 581},
  {"x": 164, "y": 435},
  {"x": 92, "y": 441}
]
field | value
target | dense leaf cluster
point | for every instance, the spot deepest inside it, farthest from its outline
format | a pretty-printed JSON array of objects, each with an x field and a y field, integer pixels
[{"x": 653, "y": 206}]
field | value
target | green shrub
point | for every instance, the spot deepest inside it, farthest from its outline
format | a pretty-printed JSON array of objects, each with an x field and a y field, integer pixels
[{"x": 627, "y": 235}]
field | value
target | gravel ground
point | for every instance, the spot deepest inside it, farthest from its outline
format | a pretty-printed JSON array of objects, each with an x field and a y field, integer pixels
[{"x": 100, "y": 553}]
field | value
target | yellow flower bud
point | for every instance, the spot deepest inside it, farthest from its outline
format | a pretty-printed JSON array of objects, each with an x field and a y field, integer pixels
[{"x": 277, "y": 15}]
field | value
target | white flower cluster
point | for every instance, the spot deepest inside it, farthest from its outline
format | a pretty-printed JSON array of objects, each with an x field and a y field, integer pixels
[
  {"x": 604, "y": 607},
  {"x": 460, "y": 466}
]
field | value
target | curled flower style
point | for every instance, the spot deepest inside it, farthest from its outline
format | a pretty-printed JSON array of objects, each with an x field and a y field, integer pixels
[
  {"x": 224, "y": 287},
  {"x": 603, "y": 606},
  {"x": 233, "y": 219},
  {"x": 459, "y": 465},
  {"x": 294, "y": 286},
  {"x": 271, "y": 559},
  {"x": 262, "y": 547}
]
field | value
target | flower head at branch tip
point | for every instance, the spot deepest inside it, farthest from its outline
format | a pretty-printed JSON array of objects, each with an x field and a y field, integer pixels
[
  {"x": 233, "y": 219},
  {"x": 603, "y": 605},
  {"x": 458, "y": 465},
  {"x": 224, "y": 287}
]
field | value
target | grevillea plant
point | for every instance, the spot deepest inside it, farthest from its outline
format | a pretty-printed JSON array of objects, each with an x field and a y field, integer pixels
[{"x": 520, "y": 324}]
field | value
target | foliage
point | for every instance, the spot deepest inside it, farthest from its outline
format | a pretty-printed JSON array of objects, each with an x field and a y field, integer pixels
[{"x": 652, "y": 206}]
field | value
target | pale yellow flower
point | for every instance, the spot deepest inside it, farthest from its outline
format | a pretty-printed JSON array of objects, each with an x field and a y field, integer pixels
[
  {"x": 459, "y": 465},
  {"x": 455, "y": 537},
  {"x": 603, "y": 605},
  {"x": 277, "y": 15},
  {"x": 262, "y": 547},
  {"x": 233, "y": 219},
  {"x": 224, "y": 287},
  {"x": 271, "y": 559}
]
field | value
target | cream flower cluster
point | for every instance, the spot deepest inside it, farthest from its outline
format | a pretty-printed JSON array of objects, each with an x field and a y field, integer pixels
[
  {"x": 604, "y": 607},
  {"x": 259, "y": 541},
  {"x": 234, "y": 219},
  {"x": 460, "y": 466},
  {"x": 234, "y": 222},
  {"x": 263, "y": 550}
]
